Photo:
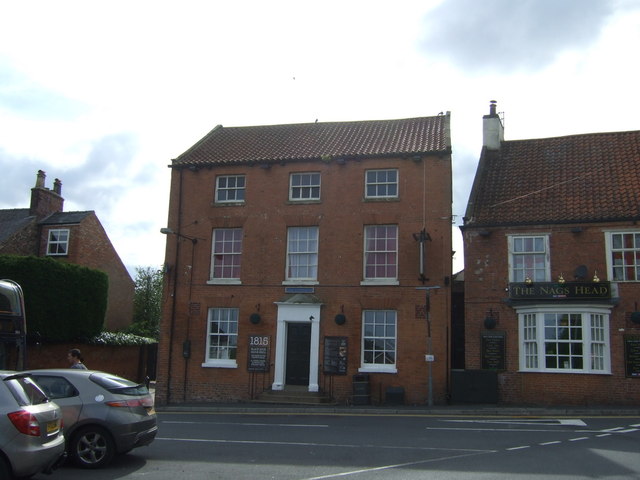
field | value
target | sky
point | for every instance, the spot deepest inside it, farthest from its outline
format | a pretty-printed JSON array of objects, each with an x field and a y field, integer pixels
[{"x": 103, "y": 94}]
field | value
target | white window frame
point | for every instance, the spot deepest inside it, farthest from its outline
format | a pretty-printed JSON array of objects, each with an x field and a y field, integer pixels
[
  {"x": 596, "y": 349},
  {"x": 512, "y": 241},
  {"x": 380, "y": 333},
  {"x": 302, "y": 250},
  {"x": 615, "y": 268},
  {"x": 227, "y": 348},
  {"x": 58, "y": 238},
  {"x": 226, "y": 189},
  {"x": 380, "y": 184},
  {"x": 221, "y": 249},
  {"x": 301, "y": 183},
  {"x": 381, "y": 248}
]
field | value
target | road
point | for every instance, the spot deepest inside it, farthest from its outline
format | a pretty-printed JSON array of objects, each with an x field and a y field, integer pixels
[{"x": 194, "y": 446}]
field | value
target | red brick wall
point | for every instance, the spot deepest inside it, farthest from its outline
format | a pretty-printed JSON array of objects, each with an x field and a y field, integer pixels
[
  {"x": 129, "y": 362},
  {"x": 341, "y": 215},
  {"x": 90, "y": 246},
  {"x": 486, "y": 281}
]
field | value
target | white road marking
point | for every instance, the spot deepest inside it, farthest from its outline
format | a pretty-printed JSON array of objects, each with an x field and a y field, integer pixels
[
  {"x": 303, "y": 425},
  {"x": 524, "y": 421},
  {"x": 315, "y": 444},
  {"x": 388, "y": 467},
  {"x": 555, "y": 442},
  {"x": 578, "y": 439}
]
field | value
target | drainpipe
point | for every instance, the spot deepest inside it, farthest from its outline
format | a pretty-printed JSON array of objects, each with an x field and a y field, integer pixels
[{"x": 175, "y": 288}]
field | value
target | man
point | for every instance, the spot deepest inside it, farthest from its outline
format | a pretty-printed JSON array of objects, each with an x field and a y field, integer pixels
[{"x": 75, "y": 359}]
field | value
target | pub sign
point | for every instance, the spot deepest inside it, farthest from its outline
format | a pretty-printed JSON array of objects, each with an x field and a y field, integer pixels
[{"x": 557, "y": 291}]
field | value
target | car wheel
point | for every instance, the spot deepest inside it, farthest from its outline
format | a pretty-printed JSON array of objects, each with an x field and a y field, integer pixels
[
  {"x": 91, "y": 447},
  {"x": 5, "y": 470}
]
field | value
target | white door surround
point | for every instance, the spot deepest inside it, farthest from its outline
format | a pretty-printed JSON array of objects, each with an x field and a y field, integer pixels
[{"x": 298, "y": 309}]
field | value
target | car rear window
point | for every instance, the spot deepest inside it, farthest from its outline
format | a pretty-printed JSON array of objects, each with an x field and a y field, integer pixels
[
  {"x": 119, "y": 385},
  {"x": 25, "y": 391}
]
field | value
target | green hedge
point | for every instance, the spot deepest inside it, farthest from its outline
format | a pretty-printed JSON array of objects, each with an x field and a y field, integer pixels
[{"x": 63, "y": 302}]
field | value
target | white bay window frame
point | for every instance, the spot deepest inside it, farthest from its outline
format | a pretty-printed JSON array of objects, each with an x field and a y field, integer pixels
[{"x": 594, "y": 339}]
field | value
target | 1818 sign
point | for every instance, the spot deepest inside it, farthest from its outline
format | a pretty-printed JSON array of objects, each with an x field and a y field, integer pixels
[{"x": 258, "y": 353}]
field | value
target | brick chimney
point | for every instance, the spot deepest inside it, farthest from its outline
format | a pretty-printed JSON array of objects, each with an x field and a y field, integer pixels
[
  {"x": 492, "y": 129},
  {"x": 44, "y": 202}
]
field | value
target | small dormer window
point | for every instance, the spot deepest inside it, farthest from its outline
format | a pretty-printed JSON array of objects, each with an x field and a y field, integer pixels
[{"x": 58, "y": 242}]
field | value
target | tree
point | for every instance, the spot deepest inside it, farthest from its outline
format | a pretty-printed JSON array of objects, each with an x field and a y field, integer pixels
[{"x": 147, "y": 302}]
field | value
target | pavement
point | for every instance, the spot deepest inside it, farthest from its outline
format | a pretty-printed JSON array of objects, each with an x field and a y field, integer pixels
[
  {"x": 407, "y": 410},
  {"x": 256, "y": 407}
]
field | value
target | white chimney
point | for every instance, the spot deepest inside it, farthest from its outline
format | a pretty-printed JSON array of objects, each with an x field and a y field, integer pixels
[{"x": 492, "y": 129}]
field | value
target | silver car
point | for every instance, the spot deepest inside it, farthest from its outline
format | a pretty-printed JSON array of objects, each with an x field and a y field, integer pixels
[
  {"x": 104, "y": 414},
  {"x": 31, "y": 439}
]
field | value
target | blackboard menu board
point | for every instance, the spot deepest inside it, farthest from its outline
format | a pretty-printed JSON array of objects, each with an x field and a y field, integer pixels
[
  {"x": 632, "y": 355},
  {"x": 335, "y": 355},
  {"x": 258, "y": 353},
  {"x": 493, "y": 351}
]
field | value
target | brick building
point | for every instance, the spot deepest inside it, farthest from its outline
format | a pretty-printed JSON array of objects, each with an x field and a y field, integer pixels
[
  {"x": 44, "y": 229},
  {"x": 552, "y": 267},
  {"x": 298, "y": 257}
]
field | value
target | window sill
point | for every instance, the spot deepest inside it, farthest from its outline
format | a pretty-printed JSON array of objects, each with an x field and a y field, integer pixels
[
  {"x": 228, "y": 204},
  {"x": 377, "y": 283},
  {"x": 300, "y": 282},
  {"x": 566, "y": 372},
  {"x": 304, "y": 201},
  {"x": 220, "y": 364},
  {"x": 381, "y": 199},
  {"x": 223, "y": 281},
  {"x": 378, "y": 369}
]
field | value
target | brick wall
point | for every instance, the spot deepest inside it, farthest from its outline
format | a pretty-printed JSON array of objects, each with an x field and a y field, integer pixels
[
  {"x": 126, "y": 361},
  {"x": 425, "y": 193},
  {"x": 90, "y": 246},
  {"x": 486, "y": 281}
]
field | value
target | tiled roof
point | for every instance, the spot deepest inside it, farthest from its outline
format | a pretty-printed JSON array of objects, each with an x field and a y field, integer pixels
[
  {"x": 579, "y": 178},
  {"x": 309, "y": 141},
  {"x": 15, "y": 219},
  {"x": 12, "y": 221},
  {"x": 66, "y": 218}
]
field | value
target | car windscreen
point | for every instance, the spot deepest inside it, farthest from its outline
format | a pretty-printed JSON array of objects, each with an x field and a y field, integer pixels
[
  {"x": 121, "y": 386},
  {"x": 25, "y": 390}
]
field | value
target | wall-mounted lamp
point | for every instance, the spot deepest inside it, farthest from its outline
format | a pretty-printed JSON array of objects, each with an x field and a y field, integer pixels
[
  {"x": 421, "y": 237},
  {"x": 561, "y": 279},
  {"x": 596, "y": 279},
  {"x": 168, "y": 231},
  {"x": 491, "y": 320},
  {"x": 528, "y": 281}
]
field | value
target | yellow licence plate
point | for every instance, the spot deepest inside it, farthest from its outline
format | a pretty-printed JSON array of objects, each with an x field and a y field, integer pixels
[{"x": 53, "y": 427}]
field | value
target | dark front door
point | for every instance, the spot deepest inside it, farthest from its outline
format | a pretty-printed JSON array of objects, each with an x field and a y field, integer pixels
[{"x": 298, "y": 350}]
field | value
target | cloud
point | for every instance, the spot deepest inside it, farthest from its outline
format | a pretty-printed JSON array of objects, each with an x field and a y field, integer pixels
[
  {"x": 23, "y": 97},
  {"x": 103, "y": 178},
  {"x": 19, "y": 174},
  {"x": 503, "y": 36}
]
